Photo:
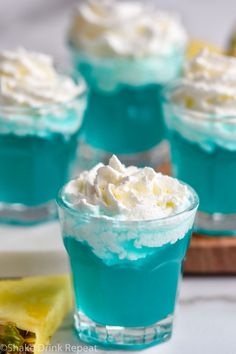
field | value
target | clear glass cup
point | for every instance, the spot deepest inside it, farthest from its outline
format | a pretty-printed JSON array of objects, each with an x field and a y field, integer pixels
[
  {"x": 125, "y": 274},
  {"x": 203, "y": 154},
  {"x": 37, "y": 155},
  {"x": 124, "y": 114}
]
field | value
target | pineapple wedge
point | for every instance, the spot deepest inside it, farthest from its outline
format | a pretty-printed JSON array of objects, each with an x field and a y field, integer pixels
[
  {"x": 195, "y": 46},
  {"x": 31, "y": 309},
  {"x": 231, "y": 47}
]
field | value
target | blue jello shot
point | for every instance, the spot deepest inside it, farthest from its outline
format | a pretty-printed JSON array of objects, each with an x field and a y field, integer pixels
[
  {"x": 126, "y": 273},
  {"x": 126, "y": 53},
  {"x": 39, "y": 133},
  {"x": 200, "y": 113}
]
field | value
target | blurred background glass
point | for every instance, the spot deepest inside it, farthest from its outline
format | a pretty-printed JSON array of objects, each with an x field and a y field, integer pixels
[{"x": 42, "y": 24}]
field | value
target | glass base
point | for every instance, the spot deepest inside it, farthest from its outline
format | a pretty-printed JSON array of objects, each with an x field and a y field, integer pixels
[
  {"x": 216, "y": 224},
  {"x": 20, "y": 214},
  {"x": 88, "y": 156},
  {"x": 115, "y": 337}
]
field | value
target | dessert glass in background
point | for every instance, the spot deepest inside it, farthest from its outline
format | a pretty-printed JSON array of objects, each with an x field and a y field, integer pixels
[
  {"x": 126, "y": 231},
  {"x": 126, "y": 51},
  {"x": 40, "y": 117},
  {"x": 200, "y": 112}
]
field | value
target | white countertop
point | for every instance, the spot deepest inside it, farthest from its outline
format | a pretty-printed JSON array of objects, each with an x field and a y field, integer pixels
[
  {"x": 206, "y": 315},
  {"x": 26, "y": 251}
]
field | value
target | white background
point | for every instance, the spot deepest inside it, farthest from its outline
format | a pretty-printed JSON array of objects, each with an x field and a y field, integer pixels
[{"x": 41, "y": 24}]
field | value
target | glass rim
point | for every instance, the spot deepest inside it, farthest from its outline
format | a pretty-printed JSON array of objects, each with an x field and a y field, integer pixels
[
  {"x": 204, "y": 116},
  {"x": 61, "y": 202},
  {"x": 14, "y": 109}
]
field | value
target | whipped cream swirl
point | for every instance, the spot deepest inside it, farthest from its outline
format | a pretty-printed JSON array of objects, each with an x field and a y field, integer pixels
[
  {"x": 203, "y": 103},
  {"x": 125, "y": 28},
  {"x": 209, "y": 84},
  {"x": 34, "y": 98},
  {"x": 127, "y": 193},
  {"x": 29, "y": 79},
  {"x": 121, "y": 212}
]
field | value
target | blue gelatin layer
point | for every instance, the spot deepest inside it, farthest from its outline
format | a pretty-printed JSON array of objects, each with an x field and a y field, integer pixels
[
  {"x": 124, "y": 113},
  {"x": 211, "y": 172},
  {"x": 126, "y": 120},
  {"x": 128, "y": 293},
  {"x": 33, "y": 168}
]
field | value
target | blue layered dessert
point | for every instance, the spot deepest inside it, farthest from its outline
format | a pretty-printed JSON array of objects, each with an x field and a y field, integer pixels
[
  {"x": 126, "y": 52},
  {"x": 126, "y": 231},
  {"x": 200, "y": 112},
  {"x": 41, "y": 113},
  {"x": 128, "y": 293}
]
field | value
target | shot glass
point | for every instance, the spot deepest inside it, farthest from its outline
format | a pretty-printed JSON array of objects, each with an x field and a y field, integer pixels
[
  {"x": 124, "y": 114},
  {"x": 125, "y": 274},
  {"x": 203, "y": 154},
  {"x": 37, "y": 156}
]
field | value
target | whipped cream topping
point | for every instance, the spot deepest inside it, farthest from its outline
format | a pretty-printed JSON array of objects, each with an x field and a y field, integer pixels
[
  {"x": 127, "y": 193},
  {"x": 207, "y": 92},
  {"x": 209, "y": 84},
  {"x": 29, "y": 79},
  {"x": 112, "y": 204},
  {"x": 124, "y": 28}
]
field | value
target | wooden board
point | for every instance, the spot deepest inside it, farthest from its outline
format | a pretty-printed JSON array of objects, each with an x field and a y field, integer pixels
[
  {"x": 208, "y": 254},
  {"x": 211, "y": 255}
]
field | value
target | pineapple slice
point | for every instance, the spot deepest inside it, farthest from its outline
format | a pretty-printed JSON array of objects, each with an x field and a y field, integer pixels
[
  {"x": 31, "y": 309},
  {"x": 231, "y": 47},
  {"x": 195, "y": 46}
]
